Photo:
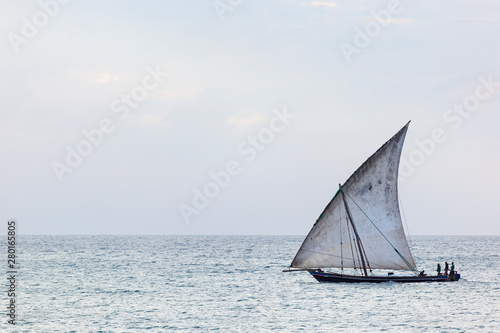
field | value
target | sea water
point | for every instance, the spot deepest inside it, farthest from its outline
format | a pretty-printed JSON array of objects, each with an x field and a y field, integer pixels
[{"x": 235, "y": 283}]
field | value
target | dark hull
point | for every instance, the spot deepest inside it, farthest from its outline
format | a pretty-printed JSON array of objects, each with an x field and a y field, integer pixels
[{"x": 334, "y": 277}]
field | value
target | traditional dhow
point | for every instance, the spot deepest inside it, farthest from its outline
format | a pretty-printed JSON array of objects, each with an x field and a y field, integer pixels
[{"x": 360, "y": 230}]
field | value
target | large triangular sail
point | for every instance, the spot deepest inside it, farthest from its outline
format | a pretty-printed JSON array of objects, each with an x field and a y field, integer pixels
[{"x": 371, "y": 196}]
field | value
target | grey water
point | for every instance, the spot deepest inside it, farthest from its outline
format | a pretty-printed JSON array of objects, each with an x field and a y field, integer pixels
[{"x": 236, "y": 284}]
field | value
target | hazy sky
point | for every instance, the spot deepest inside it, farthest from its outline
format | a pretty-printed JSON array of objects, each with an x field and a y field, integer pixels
[{"x": 242, "y": 117}]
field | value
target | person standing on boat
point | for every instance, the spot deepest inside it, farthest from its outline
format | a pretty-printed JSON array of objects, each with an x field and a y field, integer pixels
[
  {"x": 439, "y": 269},
  {"x": 445, "y": 268},
  {"x": 452, "y": 270}
]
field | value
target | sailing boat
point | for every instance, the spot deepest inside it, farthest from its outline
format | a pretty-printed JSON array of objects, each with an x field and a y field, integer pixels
[{"x": 360, "y": 230}]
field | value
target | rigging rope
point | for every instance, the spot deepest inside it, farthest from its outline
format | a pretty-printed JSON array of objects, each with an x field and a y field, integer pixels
[
  {"x": 406, "y": 221},
  {"x": 357, "y": 250},
  {"x": 404, "y": 259},
  {"x": 341, "y": 255},
  {"x": 352, "y": 252}
]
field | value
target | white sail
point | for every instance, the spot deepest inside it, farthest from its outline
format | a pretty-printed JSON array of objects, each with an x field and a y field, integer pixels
[{"x": 371, "y": 194}]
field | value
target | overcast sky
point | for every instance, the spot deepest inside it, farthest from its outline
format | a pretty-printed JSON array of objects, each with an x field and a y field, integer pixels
[{"x": 116, "y": 116}]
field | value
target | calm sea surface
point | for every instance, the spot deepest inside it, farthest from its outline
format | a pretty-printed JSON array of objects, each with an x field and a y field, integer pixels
[{"x": 235, "y": 283}]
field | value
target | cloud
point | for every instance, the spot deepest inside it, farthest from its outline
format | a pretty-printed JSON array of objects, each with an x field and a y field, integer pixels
[
  {"x": 324, "y": 4},
  {"x": 493, "y": 19},
  {"x": 95, "y": 77},
  {"x": 245, "y": 120},
  {"x": 17, "y": 131},
  {"x": 184, "y": 95},
  {"x": 103, "y": 78},
  {"x": 149, "y": 121},
  {"x": 392, "y": 20}
]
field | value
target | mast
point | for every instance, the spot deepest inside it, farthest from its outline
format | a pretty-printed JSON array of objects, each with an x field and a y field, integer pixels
[{"x": 358, "y": 239}]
